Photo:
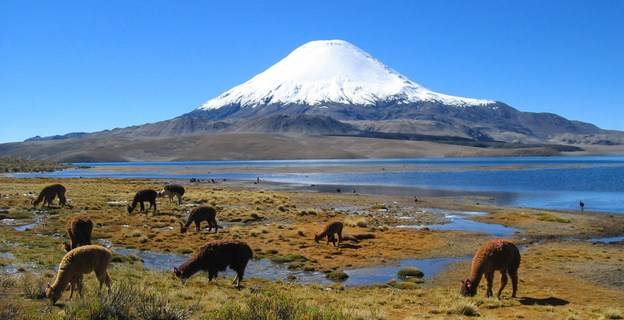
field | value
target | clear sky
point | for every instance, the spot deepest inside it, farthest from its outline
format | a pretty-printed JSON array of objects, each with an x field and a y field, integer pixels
[{"x": 90, "y": 65}]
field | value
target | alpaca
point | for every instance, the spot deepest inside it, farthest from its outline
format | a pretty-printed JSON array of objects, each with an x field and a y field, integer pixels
[
  {"x": 172, "y": 190},
  {"x": 199, "y": 214},
  {"x": 331, "y": 229},
  {"x": 148, "y": 195},
  {"x": 500, "y": 255},
  {"x": 48, "y": 194},
  {"x": 79, "y": 232},
  {"x": 216, "y": 256},
  {"x": 75, "y": 264}
]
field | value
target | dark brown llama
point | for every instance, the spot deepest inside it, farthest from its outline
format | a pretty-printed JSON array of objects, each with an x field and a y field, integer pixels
[
  {"x": 147, "y": 195},
  {"x": 79, "y": 230},
  {"x": 49, "y": 193},
  {"x": 199, "y": 214},
  {"x": 216, "y": 256},
  {"x": 330, "y": 231}
]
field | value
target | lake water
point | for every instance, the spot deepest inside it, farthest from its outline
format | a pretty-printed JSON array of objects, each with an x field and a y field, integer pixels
[
  {"x": 267, "y": 270},
  {"x": 536, "y": 182}
]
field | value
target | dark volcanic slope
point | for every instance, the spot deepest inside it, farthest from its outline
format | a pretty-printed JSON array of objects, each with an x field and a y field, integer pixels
[{"x": 498, "y": 122}]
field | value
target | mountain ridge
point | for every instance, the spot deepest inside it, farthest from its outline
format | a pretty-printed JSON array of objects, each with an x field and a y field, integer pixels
[{"x": 332, "y": 88}]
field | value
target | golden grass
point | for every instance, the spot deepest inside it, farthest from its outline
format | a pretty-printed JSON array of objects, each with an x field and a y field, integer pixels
[{"x": 556, "y": 277}]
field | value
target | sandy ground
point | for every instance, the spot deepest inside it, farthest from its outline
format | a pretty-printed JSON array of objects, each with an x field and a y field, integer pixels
[{"x": 563, "y": 276}]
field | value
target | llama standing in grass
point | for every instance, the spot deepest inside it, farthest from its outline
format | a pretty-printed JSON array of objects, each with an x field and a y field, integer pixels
[
  {"x": 49, "y": 193},
  {"x": 79, "y": 230},
  {"x": 199, "y": 214},
  {"x": 494, "y": 255},
  {"x": 172, "y": 190},
  {"x": 147, "y": 195},
  {"x": 330, "y": 231},
  {"x": 217, "y": 256},
  {"x": 75, "y": 264}
]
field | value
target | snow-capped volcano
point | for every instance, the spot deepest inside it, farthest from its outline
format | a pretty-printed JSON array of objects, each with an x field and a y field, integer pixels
[
  {"x": 331, "y": 71},
  {"x": 327, "y": 99}
]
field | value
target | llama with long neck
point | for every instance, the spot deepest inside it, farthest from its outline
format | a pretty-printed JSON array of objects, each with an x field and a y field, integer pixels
[
  {"x": 49, "y": 193},
  {"x": 173, "y": 190},
  {"x": 330, "y": 232},
  {"x": 494, "y": 255},
  {"x": 199, "y": 214},
  {"x": 216, "y": 256},
  {"x": 147, "y": 195}
]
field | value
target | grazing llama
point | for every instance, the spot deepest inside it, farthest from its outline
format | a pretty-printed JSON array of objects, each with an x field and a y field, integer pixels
[{"x": 494, "y": 255}]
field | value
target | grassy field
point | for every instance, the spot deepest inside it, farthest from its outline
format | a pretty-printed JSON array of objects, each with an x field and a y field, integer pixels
[{"x": 562, "y": 276}]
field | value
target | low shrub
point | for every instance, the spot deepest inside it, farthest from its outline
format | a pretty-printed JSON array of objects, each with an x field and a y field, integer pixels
[
  {"x": 272, "y": 305},
  {"x": 549, "y": 217},
  {"x": 33, "y": 287},
  {"x": 410, "y": 272},
  {"x": 337, "y": 275},
  {"x": 125, "y": 302}
]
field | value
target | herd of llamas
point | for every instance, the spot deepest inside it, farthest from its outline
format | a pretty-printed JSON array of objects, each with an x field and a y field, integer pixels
[{"x": 83, "y": 258}]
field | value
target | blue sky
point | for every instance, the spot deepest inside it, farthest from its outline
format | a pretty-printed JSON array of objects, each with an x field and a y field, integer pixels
[{"x": 91, "y": 65}]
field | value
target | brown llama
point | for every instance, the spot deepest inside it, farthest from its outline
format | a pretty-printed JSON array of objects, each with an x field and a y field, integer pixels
[
  {"x": 501, "y": 255},
  {"x": 49, "y": 193},
  {"x": 147, "y": 195},
  {"x": 330, "y": 230},
  {"x": 75, "y": 264},
  {"x": 172, "y": 190},
  {"x": 216, "y": 256},
  {"x": 79, "y": 230},
  {"x": 199, "y": 214}
]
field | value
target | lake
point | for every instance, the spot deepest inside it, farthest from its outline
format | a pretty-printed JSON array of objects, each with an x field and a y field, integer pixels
[{"x": 536, "y": 182}]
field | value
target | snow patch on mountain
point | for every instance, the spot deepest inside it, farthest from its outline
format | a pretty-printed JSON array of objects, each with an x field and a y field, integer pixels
[{"x": 331, "y": 71}]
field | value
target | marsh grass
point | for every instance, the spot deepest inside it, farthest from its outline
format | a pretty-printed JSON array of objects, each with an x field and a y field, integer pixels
[
  {"x": 8, "y": 311},
  {"x": 272, "y": 305},
  {"x": 126, "y": 302},
  {"x": 337, "y": 275},
  {"x": 549, "y": 217},
  {"x": 7, "y": 281},
  {"x": 33, "y": 287},
  {"x": 612, "y": 314},
  {"x": 459, "y": 307},
  {"x": 410, "y": 272}
]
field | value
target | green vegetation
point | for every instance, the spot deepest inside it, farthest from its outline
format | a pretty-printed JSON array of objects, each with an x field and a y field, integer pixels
[
  {"x": 337, "y": 276},
  {"x": 272, "y": 305},
  {"x": 410, "y": 272},
  {"x": 549, "y": 217},
  {"x": 12, "y": 164},
  {"x": 460, "y": 307},
  {"x": 403, "y": 285},
  {"x": 126, "y": 301}
]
